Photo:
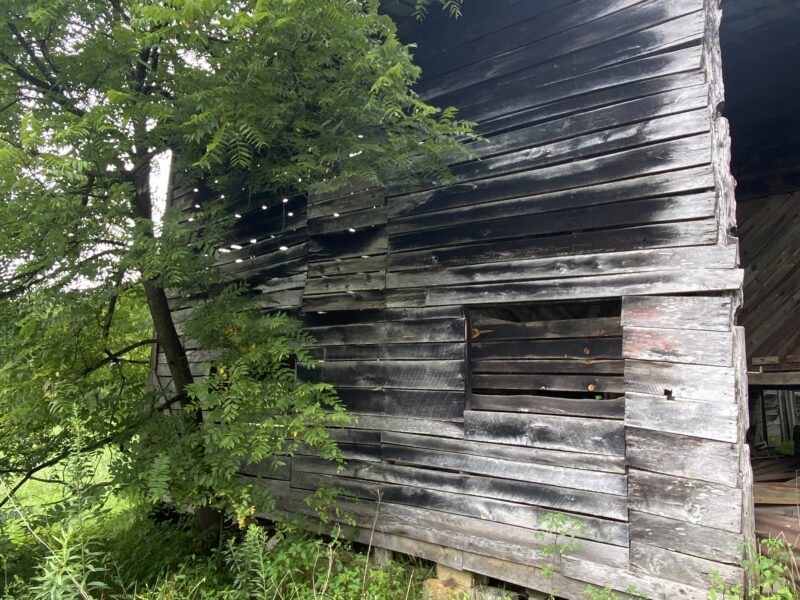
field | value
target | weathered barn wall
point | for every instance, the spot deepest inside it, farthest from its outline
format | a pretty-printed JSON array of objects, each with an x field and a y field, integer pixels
[{"x": 554, "y": 331}]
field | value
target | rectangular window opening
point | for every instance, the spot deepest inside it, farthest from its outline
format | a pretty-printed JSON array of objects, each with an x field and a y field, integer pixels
[{"x": 524, "y": 358}]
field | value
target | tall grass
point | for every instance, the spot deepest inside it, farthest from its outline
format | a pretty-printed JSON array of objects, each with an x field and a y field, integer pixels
[{"x": 127, "y": 556}]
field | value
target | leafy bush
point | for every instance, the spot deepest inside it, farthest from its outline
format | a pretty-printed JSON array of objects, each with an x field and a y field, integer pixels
[{"x": 772, "y": 569}]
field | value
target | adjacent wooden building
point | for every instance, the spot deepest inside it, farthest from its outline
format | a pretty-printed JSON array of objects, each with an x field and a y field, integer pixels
[{"x": 556, "y": 331}]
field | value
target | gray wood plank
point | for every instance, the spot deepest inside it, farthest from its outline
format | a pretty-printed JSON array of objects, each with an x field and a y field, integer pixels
[
  {"x": 712, "y": 313},
  {"x": 533, "y": 579},
  {"x": 581, "y": 479},
  {"x": 638, "y": 162},
  {"x": 681, "y": 568},
  {"x": 473, "y": 534},
  {"x": 305, "y": 472},
  {"x": 682, "y": 456},
  {"x": 483, "y": 328},
  {"x": 410, "y": 212},
  {"x": 482, "y": 511},
  {"x": 593, "y": 366},
  {"x": 546, "y": 382},
  {"x": 417, "y": 404},
  {"x": 409, "y": 351},
  {"x": 655, "y": 588},
  {"x": 623, "y": 239},
  {"x": 440, "y": 428},
  {"x": 549, "y": 405},
  {"x": 713, "y": 348},
  {"x": 704, "y": 542},
  {"x": 388, "y": 332},
  {"x": 593, "y": 436},
  {"x": 693, "y": 382},
  {"x": 558, "y": 458},
  {"x": 409, "y": 374},
  {"x": 688, "y": 500},
  {"x": 708, "y": 420},
  {"x": 700, "y": 280},
  {"x": 702, "y": 257}
]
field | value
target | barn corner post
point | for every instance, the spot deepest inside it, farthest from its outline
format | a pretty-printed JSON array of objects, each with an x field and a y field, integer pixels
[
  {"x": 728, "y": 228},
  {"x": 687, "y": 416}
]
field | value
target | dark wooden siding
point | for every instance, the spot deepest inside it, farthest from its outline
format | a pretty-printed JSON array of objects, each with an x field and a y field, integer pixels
[{"x": 602, "y": 178}]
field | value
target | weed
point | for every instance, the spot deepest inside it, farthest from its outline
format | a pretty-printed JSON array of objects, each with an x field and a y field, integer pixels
[
  {"x": 772, "y": 570},
  {"x": 607, "y": 593},
  {"x": 562, "y": 529}
]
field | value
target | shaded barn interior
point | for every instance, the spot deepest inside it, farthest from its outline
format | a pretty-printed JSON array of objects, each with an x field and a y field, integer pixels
[
  {"x": 761, "y": 59},
  {"x": 761, "y": 52},
  {"x": 552, "y": 333}
]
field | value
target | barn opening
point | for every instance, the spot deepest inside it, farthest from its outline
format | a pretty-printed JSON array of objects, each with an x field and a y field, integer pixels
[{"x": 761, "y": 59}]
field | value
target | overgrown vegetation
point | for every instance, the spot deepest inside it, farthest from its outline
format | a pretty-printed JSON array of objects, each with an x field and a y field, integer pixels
[
  {"x": 562, "y": 529},
  {"x": 116, "y": 561},
  {"x": 772, "y": 570},
  {"x": 251, "y": 96},
  {"x": 78, "y": 541}
]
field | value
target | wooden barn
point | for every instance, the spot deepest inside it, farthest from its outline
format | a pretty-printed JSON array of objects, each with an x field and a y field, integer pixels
[{"x": 560, "y": 330}]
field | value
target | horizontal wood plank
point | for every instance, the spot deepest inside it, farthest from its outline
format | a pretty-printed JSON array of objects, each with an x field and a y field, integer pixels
[
  {"x": 608, "y": 483},
  {"x": 409, "y": 351},
  {"x": 577, "y": 460},
  {"x": 700, "y": 280},
  {"x": 483, "y": 328},
  {"x": 599, "y": 366},
  {"x": 682, "y": 456},
  {"x": 703, "y": 257},
  {"x": 712, "y": 313},
  {"x": 682, "y": 568},
  {"x": 417, "y": 404},
  {"x": 708, "y": 420},
  {"x": 549, "y": 405},
  {"x": 692, "y": 501},
  {"x": 680, "y": 536},
  {"x": 714, "y": 348},
  {"x": 693, "y": 382},
  {"x": 593, "y": 436},
  {"x": 388, "y": 332},
  {"x": 600, "y": 348},
  {"x": 546, "y": 382},
  {"x": 410, "y": 374},
  {"x": 547, "y": 496}
]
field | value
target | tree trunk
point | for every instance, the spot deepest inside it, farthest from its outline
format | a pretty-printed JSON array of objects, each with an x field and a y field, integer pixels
[
  {"x": 167, "y": 335},
  {"x": 208, "y": 520},
  {"x": 168, "y": 339}
]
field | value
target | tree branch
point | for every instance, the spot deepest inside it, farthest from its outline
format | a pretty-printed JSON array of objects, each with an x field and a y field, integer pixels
[
  {"x": 115, "y": 356},
  {"x": 52, "y": 462},
  {"x": 46, "y": 51},
  {"x": 53, "y": 92},
  {"x": 112, "y": 304},
  {"x": 119, "y": 10},
  {"x": 28, "y": 47}
]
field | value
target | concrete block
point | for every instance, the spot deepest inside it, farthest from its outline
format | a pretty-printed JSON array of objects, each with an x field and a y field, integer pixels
[
  {"x": 436, "y": 589},
  {"x": 458, "y": 578}
]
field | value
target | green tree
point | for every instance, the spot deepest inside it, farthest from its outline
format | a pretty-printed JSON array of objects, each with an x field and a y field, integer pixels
[{"x": 253, "y": 95}]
